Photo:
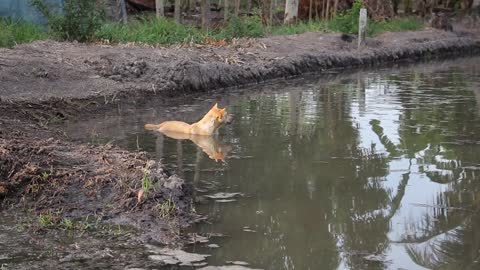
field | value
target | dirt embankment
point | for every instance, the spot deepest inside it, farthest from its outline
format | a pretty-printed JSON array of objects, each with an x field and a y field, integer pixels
[
  {"x": 44, "y": 70},
  {"x": 44, "y": 82}
]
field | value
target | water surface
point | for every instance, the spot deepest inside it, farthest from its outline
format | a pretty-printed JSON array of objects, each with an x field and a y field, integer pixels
[{"x": 375, "y": 170}]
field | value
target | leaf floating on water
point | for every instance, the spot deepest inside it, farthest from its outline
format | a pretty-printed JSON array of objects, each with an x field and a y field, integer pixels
[
  {"x": 226, "y": 200},
  {"x": 165, "y": 259},
  {"x": 237, "y": 263},
  {"x": 375, "y": 258},
  {"x": 213, "y": 246},
  {"x": 199, "y": 264},
  {"x": 223, "y": 195},
  {"x": 177, "y": 256},
  {"x": 196, "y": 238},
  {"x": 227, "y": 267}
]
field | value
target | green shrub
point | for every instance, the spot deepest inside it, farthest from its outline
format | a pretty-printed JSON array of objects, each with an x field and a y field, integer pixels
[
  {"x": 150, "y": 30},
  {"x": 78, "y": 20},
  {"x": 15, "y": 32},
  {"x": 242, "y": 27},
  {"x": 298, "y": 28},
  {"x": 395, "y": 25},
  {"x": 347, "y": 22}
]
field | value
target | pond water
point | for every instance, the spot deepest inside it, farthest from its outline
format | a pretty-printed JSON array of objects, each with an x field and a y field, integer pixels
[{"x": 372, "y": 170}]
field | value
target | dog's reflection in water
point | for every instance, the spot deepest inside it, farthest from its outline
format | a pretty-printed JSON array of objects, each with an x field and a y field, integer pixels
[{"x": 209, "y": 144}]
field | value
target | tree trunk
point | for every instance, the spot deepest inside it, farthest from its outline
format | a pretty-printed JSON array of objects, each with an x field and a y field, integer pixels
[
  {"x": 291, "y": 11},
  {"x": 225, "y": 10},
  {"x": 407, "y": 4},
  {"x": 237, "y": 7},
  {"x": 123, "y": 7},
  {"x": 191, "y": 5},
  {"x": 335, "y": 8},
  {"x": 159, "y": 6},
  {"x": 327, "y": 11},
  {"x": 249, "y": 6},
  {"x": 177, "y": 11},
  {"x": 205, "y": 6},
  {"x": 310, "y": 11},
  {"x": 324, "y": 10},
  {"x": 270, "y": 15},
  {"x": 395, "y": 6}
]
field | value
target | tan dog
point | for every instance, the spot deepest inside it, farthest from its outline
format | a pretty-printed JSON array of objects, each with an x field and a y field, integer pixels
[{"x": 208, "y": 125}]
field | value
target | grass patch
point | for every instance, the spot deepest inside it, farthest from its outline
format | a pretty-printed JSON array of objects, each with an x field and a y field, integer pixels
[
  {"x": 14, "y": 32},
  {"x": 67, "y": 224},
  {"x": 164, "y": 31},
  {"x": 298, "y": 28},
  {"x": 240, "y": 27},
  {"x": 374, "y": 28},
  {"x": 146, "y": 181},
  {"x": 166, "y": 209},
  {"x": 153, "y": 31},
  {"x": 150, "y": 30},
  {"x": 46, "y": 220},
  {"x": 395, "y": 25}
]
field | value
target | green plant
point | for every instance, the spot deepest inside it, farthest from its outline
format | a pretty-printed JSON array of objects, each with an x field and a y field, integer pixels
[
  {"x": 87, "y": 224},
  {"x": 13, "y": 32},
  {"x": 67, "y": 224},
  {"x": 166, "y": 209},
  {"x": 55, "y": 120},
  {"x": 298, "y": 28},
  {"x": 347, "y": 22},
  {"x": 46, "y": 220},
  {"x": 146, "y": 181},
  {"x": 45, "y": 175},
  {"x": 150, "y": 30},
  {"x": 78, "y": 19},
  {"x": 242, "y": 27},
  {"x": 395, "y": 25}
]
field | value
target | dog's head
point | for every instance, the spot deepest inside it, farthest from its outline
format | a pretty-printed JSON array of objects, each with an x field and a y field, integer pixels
[{"x": 220, "y": 115}]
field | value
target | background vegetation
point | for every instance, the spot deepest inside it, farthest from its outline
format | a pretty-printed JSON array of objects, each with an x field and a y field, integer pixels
[{"x": 86, "y": 21}]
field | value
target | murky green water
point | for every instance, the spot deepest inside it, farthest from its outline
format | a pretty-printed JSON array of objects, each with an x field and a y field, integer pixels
[{"x": 376, "y": 170}]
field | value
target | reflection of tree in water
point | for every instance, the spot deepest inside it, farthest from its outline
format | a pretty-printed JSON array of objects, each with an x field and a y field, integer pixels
[
  {"x": 326, "y": 201},
  {"x": 440, "y": 132},
  {"x": 455, "y": 249}
]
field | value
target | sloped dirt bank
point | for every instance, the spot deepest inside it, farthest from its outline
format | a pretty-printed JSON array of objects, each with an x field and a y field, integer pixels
[
  {"x": 45, "y": 70},
  {"x": 42, "y": 172}
]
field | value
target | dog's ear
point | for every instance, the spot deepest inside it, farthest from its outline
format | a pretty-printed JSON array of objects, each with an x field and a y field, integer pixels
[
  {"x": 215, "y": 106},
  {"x": 222, "y": 111}
]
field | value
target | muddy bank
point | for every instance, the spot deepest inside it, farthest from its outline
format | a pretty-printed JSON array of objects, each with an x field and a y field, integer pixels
[
  {"x": 41, "y": 171},
  {"x": 45, "y": 70}
]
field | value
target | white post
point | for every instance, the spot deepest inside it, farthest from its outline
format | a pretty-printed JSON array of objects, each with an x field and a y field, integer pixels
[{"x": 362, "y": 27}]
